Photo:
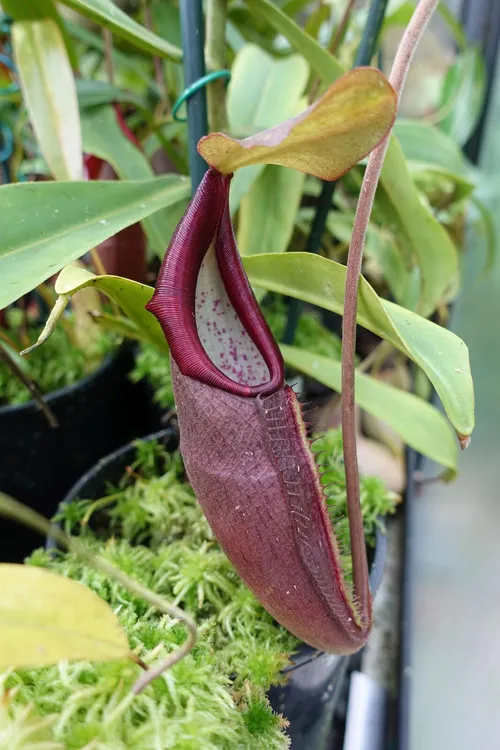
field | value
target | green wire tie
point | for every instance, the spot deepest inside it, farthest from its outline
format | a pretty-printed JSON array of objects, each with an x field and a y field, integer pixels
[{"x": 196, "y": 86}]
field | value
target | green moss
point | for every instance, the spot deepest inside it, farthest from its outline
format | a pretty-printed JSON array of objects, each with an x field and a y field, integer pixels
[
  {"x": 154, "y": 365},
  {"x": 376, "y": 500},
  {"x": 56, "y": 364},
  {"x": 151, "y": 527},
  {"x": 258, "y": 720}
]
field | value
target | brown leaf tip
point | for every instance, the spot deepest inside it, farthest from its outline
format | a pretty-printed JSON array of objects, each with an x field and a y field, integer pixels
[{"x": 464, "y": 441}]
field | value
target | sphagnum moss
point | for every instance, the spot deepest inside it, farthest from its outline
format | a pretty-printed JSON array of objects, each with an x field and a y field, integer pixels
[
  {"x": 214, "y": 698},
  {"x": 56, "y": 364}
]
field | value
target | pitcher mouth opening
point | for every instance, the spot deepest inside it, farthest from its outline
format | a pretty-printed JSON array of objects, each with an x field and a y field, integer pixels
[{"x": 205, "y": 305}]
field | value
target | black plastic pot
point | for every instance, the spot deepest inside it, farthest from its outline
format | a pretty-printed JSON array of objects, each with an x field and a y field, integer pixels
[
  {"x": 38, "y": 464},
  {"x": 315, "y": 679},
  {"x": 161, "y": 417},
  {"x": 109, "y": 470}
]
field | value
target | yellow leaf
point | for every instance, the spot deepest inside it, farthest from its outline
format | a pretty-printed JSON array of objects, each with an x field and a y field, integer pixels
[
  {"x": 325, "y": 140},
  {"x": 49, "y": 92},
  {"x": 45, "y": 618}
]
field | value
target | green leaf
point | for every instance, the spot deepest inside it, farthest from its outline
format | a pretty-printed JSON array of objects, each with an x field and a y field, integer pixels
[
  {"x": 421, "y": 425},
  {"x": 171, "y": 131},
  {"x": 488, "y": 224},
  {"x": 250, "y": 28},
  {"x": 316, "y": 20},
  {"x": 166, "y": 21},
  {"x": 320, "y": 60},
  {"x": 379, "y": 246},
  {"x": 65, "y": 220},
  {"x": 325, "y": 140},
  {"x": 29, "y": 10},
  {"x": 430, "y": 243},
  {"x": 454, "y": 25},
  {"x": 292, "y": 7},
  {"x": 263, "y": 91},
  {"x": 97, "y": 93},
  {"x": 109, "y": 15},
  {"x": 241, "y": 183},
  {"x": 267, "y": 213},
  {"x": 131, "y": 297},
  {"x": 426, "y": 236},
  {"x": 426, "y": 143},
  {"x": 463, "y": 93},
  {"x": 120, "y": 325},
  {"x": 36, "y": 10},
  {"x": 46, "y": 618},
  {"x": 121, "y": 60},
  {"x": 441, "y": 354},
  {"x": 424, "y": 174},
  {"x": 103, "y": 137},
  {"x": 49, "y": 92}
]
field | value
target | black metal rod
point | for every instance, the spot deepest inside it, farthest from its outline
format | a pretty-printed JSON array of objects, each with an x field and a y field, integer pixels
[
  {"x": 371, "y": 33},
  {"x": 482, "y": 27},
  {"x": 364, "y": 55},
  {"x": 193, "y": 43}
]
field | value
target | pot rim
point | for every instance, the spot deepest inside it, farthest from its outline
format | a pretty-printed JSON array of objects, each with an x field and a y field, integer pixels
[
  {"x": 376, "y": 570},
  {"x": 74, "y": 491},
  {"x": 378, "y": 564},
  {"x": 66, "y": 390}
]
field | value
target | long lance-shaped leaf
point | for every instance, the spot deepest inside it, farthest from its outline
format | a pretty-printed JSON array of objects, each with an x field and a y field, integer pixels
[
  {"x": 37, "y": 10},
  {"x": 52, "y": 224},
  {"x": 49, "y": 92},
  {"x": 440, "y": 353},
  {"x": 109, "y": 15}
]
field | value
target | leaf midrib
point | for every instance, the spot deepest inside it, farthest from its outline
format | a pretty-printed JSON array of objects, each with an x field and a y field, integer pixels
[{"x": 81, "y": 225}]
